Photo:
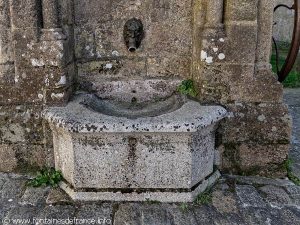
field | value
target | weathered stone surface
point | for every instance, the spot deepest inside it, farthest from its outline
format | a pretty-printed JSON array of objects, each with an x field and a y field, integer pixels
[
  {"x": 291, "y": 98},
  {"x": 257, "y": 180},
  {"x": 226, "y": 208},
  {"x": 209, "y": 215},
  {"x": 20, "y": 213},
  {"x": 249, "y": 197},
  {"x": 99, "y": 212},
  {"x": 172, "y": 150},
  {"x": 59, "y": 212},
  {"x": 34, "y": 196},
  {"x": 3, "y": 179},
  {"x": 142, "y": 214},
  {"x": 241, "y": 10},
  {"x": 179, "y": 216},
  {"x": 57, "y": 196},
  {"x": 224, "y": 202},
  {"x": 8, "y": 158},
  {"x": 284, "y": 22},
  {"x": 276, "y": 196},
  {"x": 24, "y": 13},
  {"x": 13, "y": 189},
  {"x": 262, "y": 216},
  {"x": 260, "y": 123}
]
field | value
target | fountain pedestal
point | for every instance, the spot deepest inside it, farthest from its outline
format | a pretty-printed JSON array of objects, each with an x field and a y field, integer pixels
[{"x": 167, "y": 157}]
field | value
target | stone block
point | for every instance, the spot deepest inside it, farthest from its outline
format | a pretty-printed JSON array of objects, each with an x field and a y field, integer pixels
[
  {"x": 5, "y": 14},
  {"x": 169, "y": 66},
  {"x": 255, "y": 90},
  {"x": 249, "y": 197},
  {"x": 58, "y": 96},
  {"x": 23, "y": 157},
  {"x": 21, "y": 124},
  {"x": 112, "y": 69},
  {"x": 7, "y": 74},
  {"x": 43, "y": 54},
  {"x": 262, "y": 123},
  {"x": 24, "y": 13},
  {"x": 84, "y": 43},
  {"x": 8, "y": 158},
  {"x": 236, "y": 52},
  {"x": 241, "y": 10},
  {"x": 265, "y": 27},
  {"x": 6, "y": 50},
  {"x": 254, "y": 159}
]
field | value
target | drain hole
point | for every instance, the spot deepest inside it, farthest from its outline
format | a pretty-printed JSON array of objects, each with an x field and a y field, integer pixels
[
  {"x": 134, "y": 91},
  {"x": 134, "y": 100}
]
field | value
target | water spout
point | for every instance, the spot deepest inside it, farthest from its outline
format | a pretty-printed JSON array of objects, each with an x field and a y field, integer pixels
[{"x": 133, "y": 34}]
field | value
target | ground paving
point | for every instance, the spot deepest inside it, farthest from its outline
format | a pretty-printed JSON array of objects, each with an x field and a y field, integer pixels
[{"x": 233, "y": 200}]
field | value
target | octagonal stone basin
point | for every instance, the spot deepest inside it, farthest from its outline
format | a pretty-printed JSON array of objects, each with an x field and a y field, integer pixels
[
  {"x": 159, "y": 149},
  {"x": 134, "y": 110}
]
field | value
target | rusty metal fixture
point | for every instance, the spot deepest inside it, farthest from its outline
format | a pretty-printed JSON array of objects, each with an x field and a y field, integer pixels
[
  {"x": 133, "y": 34},
  {"x": 294, "y": 48}
]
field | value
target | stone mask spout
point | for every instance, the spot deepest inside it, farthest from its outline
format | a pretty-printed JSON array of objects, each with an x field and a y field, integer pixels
[{"x": 133, "y": 34}]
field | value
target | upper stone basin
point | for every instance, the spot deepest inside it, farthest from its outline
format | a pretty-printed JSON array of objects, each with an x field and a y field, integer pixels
[
  {"x": 134, "y": 106},
  {"x": 76, "y": 117},
  {"x": 134, "y": 109}
]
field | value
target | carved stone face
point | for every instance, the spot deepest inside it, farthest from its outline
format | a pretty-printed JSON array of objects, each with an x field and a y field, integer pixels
[{"x": 133, "y": 34}]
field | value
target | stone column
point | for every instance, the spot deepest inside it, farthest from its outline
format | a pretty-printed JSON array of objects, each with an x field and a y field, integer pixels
[
  {"x": 6, "y": 51},
  {"x": 5, "y": 30},
  {"x": 264, "y": 36},
  {"x": 214, "y": 14},
  {"x": 50, "y": 14}
]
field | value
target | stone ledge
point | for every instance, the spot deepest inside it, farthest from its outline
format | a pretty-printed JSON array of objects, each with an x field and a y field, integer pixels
[
  {"x": 138, "y": 197},
  {"x": 76, "y": 118}
]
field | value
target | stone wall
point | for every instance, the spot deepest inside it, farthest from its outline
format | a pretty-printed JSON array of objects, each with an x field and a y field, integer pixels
[
  {"x": 36, "y": 67},
  {"x": 284, "y": 22},
  {"x": 166, "y": 50},
  {"x": 223, "y": 46}
]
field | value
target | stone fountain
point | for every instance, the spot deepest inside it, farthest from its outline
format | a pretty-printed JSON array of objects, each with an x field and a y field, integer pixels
[
  {"x": 139, "y": 142},
  {"x": 134, "y": 137}
]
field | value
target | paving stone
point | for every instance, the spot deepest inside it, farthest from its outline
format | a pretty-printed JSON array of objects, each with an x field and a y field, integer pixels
[
  {"x": 290, "y": 215},
  {"x": 249, "y": 196},
  {"x": 136, "y": 214},
  {"x": 209, "y": 215},
  {"x": 262, "y": 216},
  {"x": 181, "y": 217},
  {"x": 252, "y": 180},
  {"x": 57, "y": 196},
  {"x": 276, "y": 196},
  {"x": 293, "y": 190},
  {"x": 100, "y": 213},
  {"x": 3, "y": 179},
  {"x": 59, "y": 212},
  {"x": 34, "y": 196},
  {"x": 20, "y": 215},
  {"x": 129, "y": 214},
  {"x": 294, "y": 193},
  {"x": 13, "y": 189},
  {"x": 224, "y": 202}
]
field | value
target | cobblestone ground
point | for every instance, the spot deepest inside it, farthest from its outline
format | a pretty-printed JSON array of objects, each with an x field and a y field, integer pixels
[
  {"x": 292, "y": 99},
  {"x": 234, "y": 200}
]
